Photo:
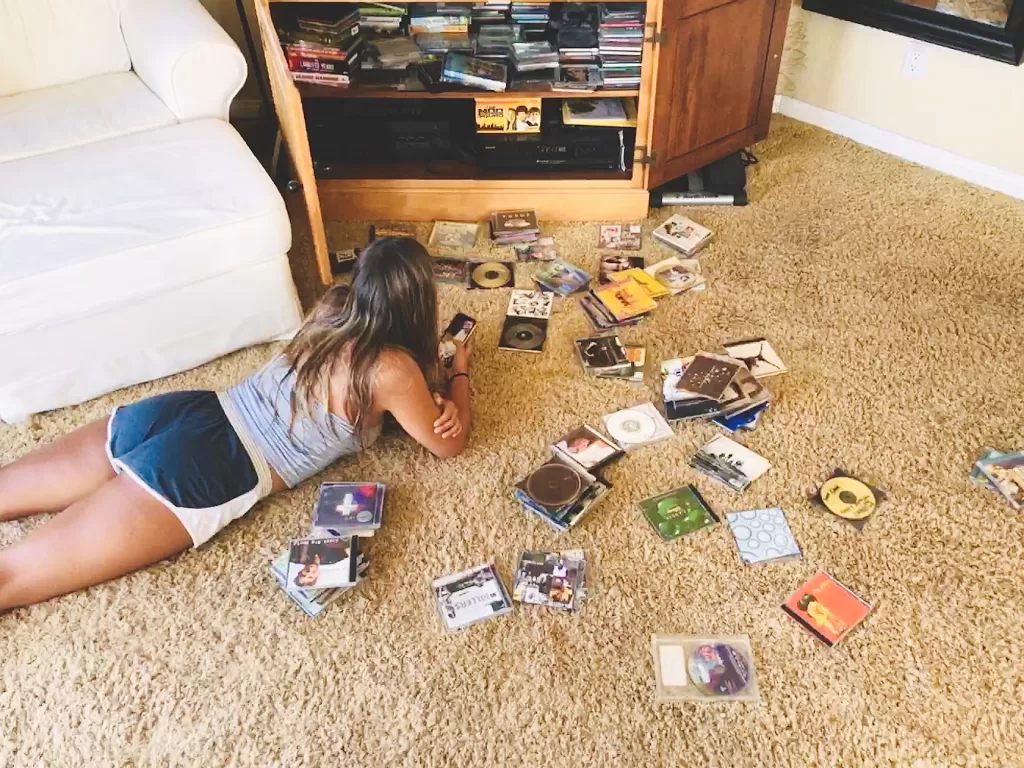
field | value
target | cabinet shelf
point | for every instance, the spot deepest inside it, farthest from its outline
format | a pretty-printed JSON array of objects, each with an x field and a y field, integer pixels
[
  {"x": 708, "y": 75},
  {"x": 313, "y": 90}
]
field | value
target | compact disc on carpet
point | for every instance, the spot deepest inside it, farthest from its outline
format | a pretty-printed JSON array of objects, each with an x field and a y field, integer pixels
[
  {"x": 524, "y": 335},
  {"x": 492, "y": 274},
  {"x": 554, "y": 485},
  {"x": 632, "y": 426},
  {"x": 848, "y": 497},
  {"x": 718, "y": 669}
]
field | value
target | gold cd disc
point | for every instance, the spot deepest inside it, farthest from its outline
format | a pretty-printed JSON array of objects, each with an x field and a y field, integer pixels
[
  {"x": 491, "y": 274},
  {"x": 848, "y": 498}
]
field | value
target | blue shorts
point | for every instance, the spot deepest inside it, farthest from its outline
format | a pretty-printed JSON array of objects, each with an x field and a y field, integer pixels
[{"x": 183, "y": 449}]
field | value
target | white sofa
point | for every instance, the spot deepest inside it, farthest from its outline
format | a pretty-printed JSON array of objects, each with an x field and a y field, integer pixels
[{"x": 139, "y": 236}]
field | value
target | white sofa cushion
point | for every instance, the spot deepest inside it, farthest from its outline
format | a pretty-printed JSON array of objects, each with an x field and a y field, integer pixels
[
  {"x": 49, "y": 42},
  {"x": 85, "y": 229},
  {"x": 82, "y": 112}
]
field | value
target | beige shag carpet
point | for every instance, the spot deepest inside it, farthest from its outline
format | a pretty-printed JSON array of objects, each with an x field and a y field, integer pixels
[{"x": 895, "y": 295}]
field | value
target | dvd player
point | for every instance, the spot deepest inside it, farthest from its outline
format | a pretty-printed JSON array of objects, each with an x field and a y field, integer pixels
[{"x": 594, "y": 149}]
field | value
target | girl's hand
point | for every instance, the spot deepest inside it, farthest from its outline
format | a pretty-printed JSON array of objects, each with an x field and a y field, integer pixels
[
  {"x": 462, "y": 353},
  {"x": 448, "y": 424}
]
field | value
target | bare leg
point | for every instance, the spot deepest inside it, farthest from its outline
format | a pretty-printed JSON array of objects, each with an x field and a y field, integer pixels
[
  {"x": 117, "y": 529},
  {"x": 57, "y": 475}
]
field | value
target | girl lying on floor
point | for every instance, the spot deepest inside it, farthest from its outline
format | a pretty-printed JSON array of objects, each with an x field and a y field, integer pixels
[{"x": 169, "y": 472}]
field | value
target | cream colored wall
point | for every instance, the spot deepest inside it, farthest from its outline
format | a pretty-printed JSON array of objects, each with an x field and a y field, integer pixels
[{"x": 965, "y": 104}]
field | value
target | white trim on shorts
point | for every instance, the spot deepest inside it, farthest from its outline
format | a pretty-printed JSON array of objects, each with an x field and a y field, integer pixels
[{"x": 203, "y": 523}]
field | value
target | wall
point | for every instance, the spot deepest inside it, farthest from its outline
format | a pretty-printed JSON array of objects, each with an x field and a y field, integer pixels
[
  {"x": 965, "y": 104},
  {"x": 226, "y": 14}
]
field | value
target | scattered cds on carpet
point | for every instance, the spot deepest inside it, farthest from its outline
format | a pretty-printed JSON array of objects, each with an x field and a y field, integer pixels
[
  {"x": 552, "y": 579},
  {"x": 470, "y": 597}
]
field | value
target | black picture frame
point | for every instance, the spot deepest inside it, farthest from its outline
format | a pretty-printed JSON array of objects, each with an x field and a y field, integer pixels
[{"x": 1004, "y": 44}]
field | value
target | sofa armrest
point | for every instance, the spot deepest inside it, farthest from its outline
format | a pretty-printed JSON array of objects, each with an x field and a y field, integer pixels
[{"x": 183, "y": 56}]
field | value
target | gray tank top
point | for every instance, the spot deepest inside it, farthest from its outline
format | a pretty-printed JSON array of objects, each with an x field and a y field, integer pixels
[{"x": 260, "y": 407}]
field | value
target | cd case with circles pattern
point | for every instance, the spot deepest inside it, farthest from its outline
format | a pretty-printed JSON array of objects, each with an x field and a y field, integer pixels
[{"x": 763, "y": 535}]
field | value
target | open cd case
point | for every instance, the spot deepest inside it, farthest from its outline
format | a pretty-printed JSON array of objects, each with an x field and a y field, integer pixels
[
  {"x": 560, "y": 492},
  {"x": 640, "y": 425},
  {"x": 472, "y": 596},
  {"x": 704, "y": 669}
]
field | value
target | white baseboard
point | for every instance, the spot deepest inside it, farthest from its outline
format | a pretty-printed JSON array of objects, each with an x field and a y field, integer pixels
[{"x": 983, "y": 175}]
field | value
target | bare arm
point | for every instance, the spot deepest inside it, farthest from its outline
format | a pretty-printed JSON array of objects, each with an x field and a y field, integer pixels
[{"x": 401, "y": 389}]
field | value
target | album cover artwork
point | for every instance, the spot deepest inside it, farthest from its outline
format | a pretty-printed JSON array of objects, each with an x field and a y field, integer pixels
[
  {"x": 452, "y": 271},
  {"x": 730, "y": 463},
  {"x": 530, "y": 304},
  {"x": 492, "y": 274},
  {"x": 652, "y": 287},
  {"x": 601, "y": 353},
  {"x": 562, "y": 278},
  {"x": 470, "y": 597},
  {"x": 683, "y": 234},
  {"x": 678, "y": 512},
  {"x": 826, "y": 608},
  {"x": 624, "y": 299},
  {"x": 542, "y": 250},
  {"x": 677, "y": 275},
  {"x": 588, "y": 448},
  {"x": 511, "y": 222},
  {"x": 762, "y": 535},
  {"x": 615, "y": 262},
  {"x": 620, "y": 237},
  {"x": 523, "y": 334},
  {"x": 552, "y": 579},
  {"x": 453, "y": 234},
  {"x": 322, "y": 563},
  {"x": 350, "y": 507},
  {"x": 460, "y": 328},
  {"x": 709, "y": 375},
  {"x": 758, "y": 355},
  {"x": 637, "y": 356},
  {"x": 978, "y": 478}
]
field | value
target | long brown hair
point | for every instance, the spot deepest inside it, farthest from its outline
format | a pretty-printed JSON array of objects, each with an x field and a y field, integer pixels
[{"x": 392, "y": 302}]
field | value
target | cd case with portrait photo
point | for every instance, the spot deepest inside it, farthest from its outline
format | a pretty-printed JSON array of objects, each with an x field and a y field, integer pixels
[
  {"x": 459, "y": 235},
  {"x": 322, "y": 562},
  {"x": 472, "y": 596},
  {"x": 758, "y": 355},
  {"x": 826, "y": 608},
  {"x": 588, "y": 448},
  {"x": 620, "y": 237},
  {"x": 683, "y": 235}
]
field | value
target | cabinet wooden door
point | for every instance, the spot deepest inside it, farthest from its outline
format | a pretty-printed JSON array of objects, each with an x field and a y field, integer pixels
[
  {"x": 717, "y": 65},
  {"x": 288, "y": 105}
]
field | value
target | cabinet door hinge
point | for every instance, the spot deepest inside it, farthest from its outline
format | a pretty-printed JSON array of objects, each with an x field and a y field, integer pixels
[
  {"x": 645, "y": 158},
  {"x": 657, "y": 36}
]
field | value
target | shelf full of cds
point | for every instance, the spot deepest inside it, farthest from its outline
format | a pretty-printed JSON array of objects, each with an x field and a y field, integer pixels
[{"x": 572, "y": 109}]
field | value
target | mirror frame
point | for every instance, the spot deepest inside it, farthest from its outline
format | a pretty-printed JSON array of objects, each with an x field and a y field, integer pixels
[{"x": 1004, "y": 44}]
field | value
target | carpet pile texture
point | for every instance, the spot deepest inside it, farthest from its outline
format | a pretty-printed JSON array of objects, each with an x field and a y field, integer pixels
[{"x": 896, "y": 297}]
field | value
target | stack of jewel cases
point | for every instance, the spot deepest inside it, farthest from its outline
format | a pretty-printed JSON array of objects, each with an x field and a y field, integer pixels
[{"x": 563, "y": 489}]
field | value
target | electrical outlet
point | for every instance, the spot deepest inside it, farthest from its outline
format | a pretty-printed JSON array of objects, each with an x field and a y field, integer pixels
[{"x": 915, "y": 63}]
